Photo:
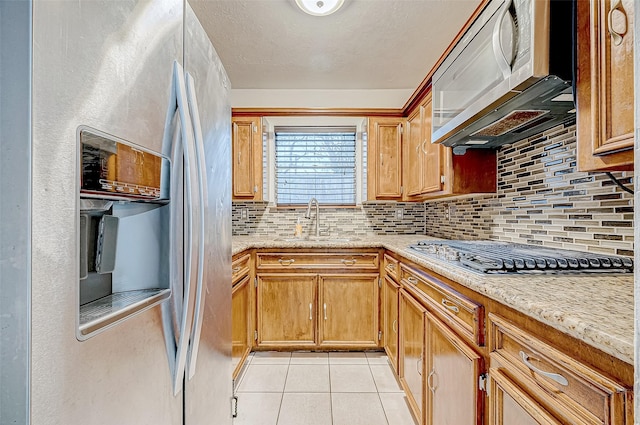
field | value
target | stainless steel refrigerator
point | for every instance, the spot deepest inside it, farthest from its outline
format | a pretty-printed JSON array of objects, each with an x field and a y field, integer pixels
[{"x": 143, "y": 73}]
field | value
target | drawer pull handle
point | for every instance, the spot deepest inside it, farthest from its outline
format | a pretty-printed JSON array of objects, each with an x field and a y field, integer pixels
[
  {"x": 419, "y": 364},
  {"x": 450, "y": 306},
  {"x": 391, "y": 266},
  {"x": 325, "y": 311},
  {"x": 393, "y": 326},
  {"x": 286, "y": 262},
  {"x": 348, "y": 262},
  {"x": 412, "y": 280},
  {"x": 310, "y": 311},
  {"x": 616, "y": 36},
  {"x": 555, "y": 376},
  {"x": 236, "y": 269}
]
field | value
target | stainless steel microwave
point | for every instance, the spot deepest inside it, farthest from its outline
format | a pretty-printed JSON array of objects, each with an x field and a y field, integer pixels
[{"x": 510, "y": 76}]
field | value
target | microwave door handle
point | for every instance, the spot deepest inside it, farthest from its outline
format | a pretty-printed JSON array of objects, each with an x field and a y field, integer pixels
[
  {"x": 188, "y": 299},
  {"x": 202, "y": 225},
  {"x": 504, "y": 63}
]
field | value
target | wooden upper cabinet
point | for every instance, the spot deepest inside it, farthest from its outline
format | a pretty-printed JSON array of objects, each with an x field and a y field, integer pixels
[
  {"x": 384, "y": 158},
  {"x": 422, "y": 159},
  {"x": 432, "y": 170},
  {"x": 247, "y": 158},
  {"x": 605, "y": 85}
]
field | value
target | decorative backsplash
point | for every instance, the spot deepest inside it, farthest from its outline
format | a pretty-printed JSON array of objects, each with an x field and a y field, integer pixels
[
  {"x": 375, "y": 218},
  {"x": 542, "y": 199}
]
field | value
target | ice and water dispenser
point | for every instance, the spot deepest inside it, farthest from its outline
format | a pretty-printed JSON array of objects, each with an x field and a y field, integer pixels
[{"x": 124, "y": 220}]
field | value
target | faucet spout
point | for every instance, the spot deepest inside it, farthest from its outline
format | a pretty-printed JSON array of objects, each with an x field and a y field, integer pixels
[{"x": 308, "y": 214}]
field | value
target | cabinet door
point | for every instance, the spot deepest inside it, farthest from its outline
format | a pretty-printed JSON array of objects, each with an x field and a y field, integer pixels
[
  {"x": 431, "y": 153},
  {"x": 412, "y": 318},
  {"x": 385, "y": 158},
  {"x": 508, "y": 404},
  {"x": 349, "y": 310},
  {"x": 390, "y": 320},
  {"x": 286, "y": 305},
  {"x": 412, "y": 158},
  {"x": 247, "y": 158},
  {"x": 605, "y": 85},
  {"x": 240, "y": 310},
  {"x": 453, "y": 369}
]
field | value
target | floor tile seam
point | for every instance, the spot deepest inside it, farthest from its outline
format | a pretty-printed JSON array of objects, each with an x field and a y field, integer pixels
[{"x": 280, "y": 407}]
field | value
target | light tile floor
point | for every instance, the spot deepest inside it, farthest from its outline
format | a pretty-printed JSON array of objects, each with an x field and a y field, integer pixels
[{"x": 304, "y": 388}]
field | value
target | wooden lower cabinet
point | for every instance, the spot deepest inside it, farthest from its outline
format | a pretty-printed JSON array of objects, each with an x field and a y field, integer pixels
[
  {"x": 453, "y": 371},
  {"x": 390, "y": 291},
  {"x": 317, "y": 311},
  {"x": 286, "y": 310},
  {"x": 348, "y": 310},
  {"x": 240, "y": 311},
  {"x": 412, "y": 332},
  {"x": 509, "y": 404}
]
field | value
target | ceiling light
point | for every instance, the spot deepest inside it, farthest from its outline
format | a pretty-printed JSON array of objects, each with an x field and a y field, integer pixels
[{"x": 319, "y": 7}]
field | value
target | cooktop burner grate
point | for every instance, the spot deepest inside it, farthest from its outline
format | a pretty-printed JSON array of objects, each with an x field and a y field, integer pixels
[{"x": 505, "y": 257}]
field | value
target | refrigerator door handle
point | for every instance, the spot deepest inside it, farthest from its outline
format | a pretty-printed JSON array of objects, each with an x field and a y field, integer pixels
[
  {"x": 186, "y": 318},
  {"x": 202, "y": 225}
]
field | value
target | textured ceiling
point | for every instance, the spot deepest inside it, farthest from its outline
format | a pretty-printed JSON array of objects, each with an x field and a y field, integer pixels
[{"x": 368, "y": 44}]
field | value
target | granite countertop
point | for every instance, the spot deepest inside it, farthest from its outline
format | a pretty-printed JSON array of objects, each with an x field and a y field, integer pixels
[{"x": 596, "y": 309}]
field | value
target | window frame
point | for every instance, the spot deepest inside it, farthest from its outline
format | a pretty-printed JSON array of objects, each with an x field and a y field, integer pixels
[{"x": 269, "y": 162}]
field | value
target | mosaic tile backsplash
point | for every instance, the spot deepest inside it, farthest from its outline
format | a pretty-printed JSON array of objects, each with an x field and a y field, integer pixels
[
  {"x": 377, "y": 218},
  {"x": 541, "y": 199}
]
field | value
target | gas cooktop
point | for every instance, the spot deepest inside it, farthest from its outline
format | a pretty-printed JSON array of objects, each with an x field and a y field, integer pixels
[{"x": 511, "y": 258}]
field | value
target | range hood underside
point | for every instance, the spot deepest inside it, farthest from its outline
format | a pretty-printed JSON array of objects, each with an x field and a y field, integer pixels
[{"x": 546, "y": 104}]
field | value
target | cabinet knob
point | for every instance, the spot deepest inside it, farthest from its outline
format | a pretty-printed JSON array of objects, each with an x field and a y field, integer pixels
[
  {"x": 286, "y": 262},
  {"x": 348, "y": 262}
]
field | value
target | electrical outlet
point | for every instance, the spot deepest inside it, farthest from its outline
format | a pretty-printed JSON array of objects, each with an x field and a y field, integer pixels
[
  {"x": 399, "y": 214},
  {"x": 447, "y": 212},
  {"x": 244, "y": 213}
]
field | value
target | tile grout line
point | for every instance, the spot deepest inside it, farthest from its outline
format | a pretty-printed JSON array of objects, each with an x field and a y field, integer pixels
[
  {"x": 283, "y": 390},
  {"x": 378, "y": 392}
]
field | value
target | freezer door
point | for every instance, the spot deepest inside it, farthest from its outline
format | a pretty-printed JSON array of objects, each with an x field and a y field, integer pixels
[
  {"x": 208, "y": 384},
  {"x": 105, "y": 65}
]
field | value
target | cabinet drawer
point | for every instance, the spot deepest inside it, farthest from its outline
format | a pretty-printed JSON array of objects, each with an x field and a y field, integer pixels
[
  {"x": 240, "y": 267},
  {"x": 313, "y": 260},
  {"x": 391, "y": 267},
  {"x": 566, "y": 387},
  {"x": 463, "y": 314}
]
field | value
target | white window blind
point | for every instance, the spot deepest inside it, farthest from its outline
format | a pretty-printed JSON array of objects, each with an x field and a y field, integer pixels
[{"x": 315, "y": 162}]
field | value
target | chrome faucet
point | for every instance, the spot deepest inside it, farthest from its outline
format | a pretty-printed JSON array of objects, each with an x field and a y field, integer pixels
[{"x": 308, "y": 214}]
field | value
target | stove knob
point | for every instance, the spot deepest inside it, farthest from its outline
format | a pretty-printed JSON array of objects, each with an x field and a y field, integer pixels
[
  {"x": 519, "y": 262},
  {"x": 530, "y": 263},
  {"x": 594, "y": 262},
  {"x": 627, "y": 262},
  {"x": 540, "y": 263},
  {"x": 562, "y": 263},
  {"x": 552, "y": 263}
]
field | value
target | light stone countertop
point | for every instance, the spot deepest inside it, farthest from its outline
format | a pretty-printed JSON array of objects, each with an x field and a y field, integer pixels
[{"x": 597, "y": 309}]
